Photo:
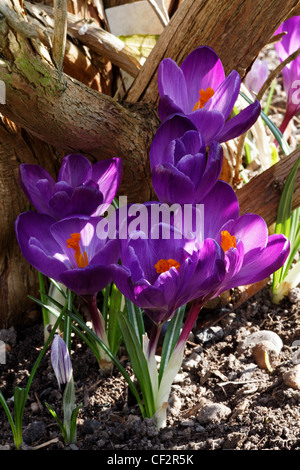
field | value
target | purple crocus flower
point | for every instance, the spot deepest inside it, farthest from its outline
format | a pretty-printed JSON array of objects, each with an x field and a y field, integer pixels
[
  {"x": 181, "y": 171},
  {"x": 81, "y": 188},
  {"x": 160, "y": 273},
  {"x": 199, "y": 90},
  {"x": 291, "y": 72},
  {"x": 68, "y": 251},
  {"x": 256, "y": 76},
  {"x": 250, "y": 254},
  {"x": 71, "y": 251}
]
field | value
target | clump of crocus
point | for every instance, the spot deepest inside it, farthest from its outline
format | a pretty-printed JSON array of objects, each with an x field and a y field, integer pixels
[
  {"x": 81, "y": 188},
  {"x": 73, "y": 252},
  {"x": 289, "y": 44},
  {"x": 256, "y": 76},
  {"x": 182, "y": 171},
  {"x": 199, "y": 89},
  {"x": 62, "y": 366},
  {"x": 160, "y": 274}
]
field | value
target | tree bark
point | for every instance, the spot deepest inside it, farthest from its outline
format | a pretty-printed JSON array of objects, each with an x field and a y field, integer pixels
[
  {"x": 234, "y": 29},
  {"x": 262, "y": 194},
  {"x": 17, "y": 278},
  {"x": 56, "y": 114}
]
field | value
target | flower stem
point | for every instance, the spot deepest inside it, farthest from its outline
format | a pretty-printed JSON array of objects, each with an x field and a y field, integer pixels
[
  {"x": 99, "y": 328},
  {"x": 190, "y": 320},
  {"x": 154, "y": 337},
  {"x": 93, "y": 309},
  {"x": 285, "y": 123}
]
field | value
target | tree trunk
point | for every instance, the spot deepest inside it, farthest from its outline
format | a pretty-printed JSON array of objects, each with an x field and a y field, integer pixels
[
  {"x": 17, "y": 278},
  {"x": 59, "y": 114}
]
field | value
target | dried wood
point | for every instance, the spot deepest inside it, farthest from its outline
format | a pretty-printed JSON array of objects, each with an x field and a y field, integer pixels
[
  {"x": 95, "y": 38},
  {"x": 233, "y": 28},
  {"x": 262, "y": 194}
]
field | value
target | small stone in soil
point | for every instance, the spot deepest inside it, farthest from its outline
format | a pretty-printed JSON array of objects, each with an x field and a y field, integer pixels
[{"x": 33, "y": 432}]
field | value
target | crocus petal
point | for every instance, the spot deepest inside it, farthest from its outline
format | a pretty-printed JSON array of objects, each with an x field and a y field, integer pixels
[
  {"x": 37, "y": 245},
  {"x": 253, "y": 231},
  {"x": 226, "y": 95},
  {"x": 61, "y": 361},
  {"x": 171, "y": 185},
  {"x": 37, "y": 185},
  {"x": 220, "y": 206},
  {"x": 257, "y": 75},
  {"x": 107, "y": 174},
  {"x": 88, "y": 280},
  {"x": 202, "y": 69},
  {"x": 212, "y": 171},
  {"x": 288, "y": 44},
  {"x": 240, "y": 123},
  {"x": 192, "y": 166},
  {"x": 190, "y": 143},
  {"x": 266, "y": 263},
  {"x": 171, "y": 83},
  {"x": 86, "y": 200},
  {"x": 172, "y": 128},
  {"x": 209, "y": 123},
  {"x": 75, "y": 170}
]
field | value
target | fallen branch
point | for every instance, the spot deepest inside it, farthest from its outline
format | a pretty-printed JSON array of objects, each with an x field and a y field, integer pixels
[
  {"x": 262, "y": 194},
  {"x": 95, "y": 38}
]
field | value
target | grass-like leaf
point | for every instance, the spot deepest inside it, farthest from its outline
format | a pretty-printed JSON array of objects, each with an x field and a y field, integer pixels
[
  {"x": 171, "y": 339},
  {"x": 139, "y": 364}
]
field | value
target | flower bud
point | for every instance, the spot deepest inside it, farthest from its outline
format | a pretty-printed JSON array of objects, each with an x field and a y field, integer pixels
[{"x": 61, "y": 362}]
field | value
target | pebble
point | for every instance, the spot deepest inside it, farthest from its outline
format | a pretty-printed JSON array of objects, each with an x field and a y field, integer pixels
[
  {"x": 191, "y": 362},
  {"x": 5, "y": 447},
  {"x": 294, "y": 295},
  {"x": 259, "y": 337},
  {"x": 174, "y": 405},
  {"x": 33, "y": 432},
  {"x": 90, "y": 426},
  {"x": 213, "y": 413},
  {"x": 213, "y": 333},
  {"x": 8, "y": 336},
  {"x": 292, "y": 377},
  {"x": 261, "y": 344},
  {"x": 34, "y": 407}
]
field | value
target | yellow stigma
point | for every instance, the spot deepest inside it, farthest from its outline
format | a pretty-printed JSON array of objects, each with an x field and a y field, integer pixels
[
  {"x": 228, "y": 241},
  {"x": 73, "y": 242},
  {"x": 204, "y": 96},
  {"x": 164, "y": 265}
]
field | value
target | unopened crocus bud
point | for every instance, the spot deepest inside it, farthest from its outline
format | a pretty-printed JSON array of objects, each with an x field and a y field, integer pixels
[
  {"x": 61, "y": 362},
  {"x": 256, "y": 77}
]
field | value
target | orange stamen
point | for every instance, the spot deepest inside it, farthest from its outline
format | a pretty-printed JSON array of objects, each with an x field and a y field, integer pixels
[
  {"x": 73, "y": 242},
  {"x": 164, "y": 265},
  {"x": 205, "y": 95},
  {"x": 228, "y": 241}
]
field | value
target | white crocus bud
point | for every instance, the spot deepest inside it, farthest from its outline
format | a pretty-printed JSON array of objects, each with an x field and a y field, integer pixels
[{"x": 61, "y": 361}]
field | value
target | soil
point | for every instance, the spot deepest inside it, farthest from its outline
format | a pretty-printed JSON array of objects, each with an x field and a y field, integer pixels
[{"x": 221, "y": 398}]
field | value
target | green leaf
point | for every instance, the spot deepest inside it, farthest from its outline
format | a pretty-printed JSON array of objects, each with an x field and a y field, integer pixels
[
  {"x": 287, "y": 221},
  {"x": 135, "y": 317},
  {"x": 113, "y": 330},
  {"x": 60, "y": 424},
  {"x": 273, "y": 128},
  {"x": 90, "y": 341},
  {"x": 10, "y": 419},
  {"x": 132, "y": 387},
  {"x": 139, "y": 364},
  {"x": 171, "y": 338}
]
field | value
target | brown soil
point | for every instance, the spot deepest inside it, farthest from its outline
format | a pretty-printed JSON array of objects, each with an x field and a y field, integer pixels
[{"x": 256, "y": 409}]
